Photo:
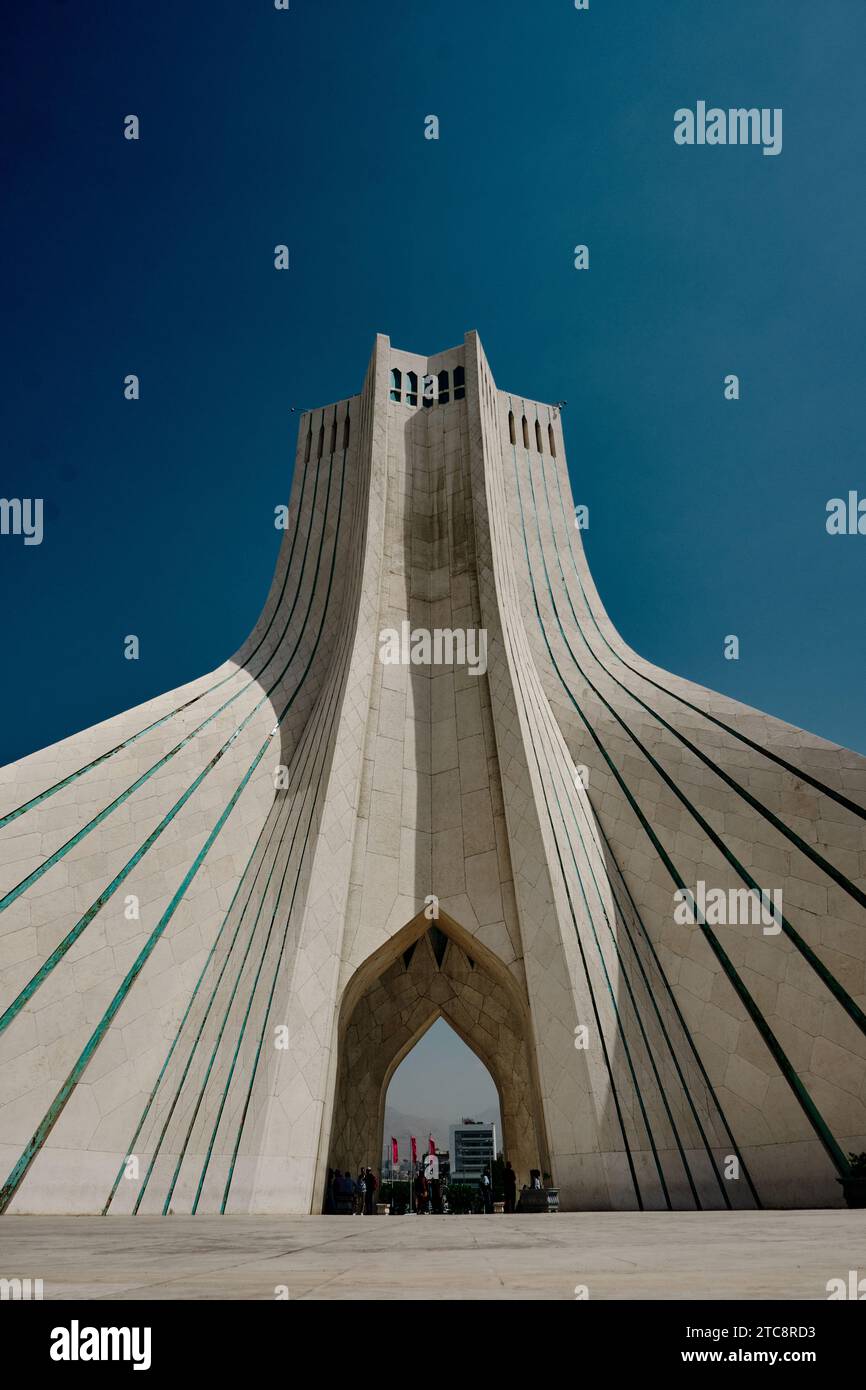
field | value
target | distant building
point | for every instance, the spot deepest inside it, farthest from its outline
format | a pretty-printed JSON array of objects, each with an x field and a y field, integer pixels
[{"x": 473, "y": 1148}]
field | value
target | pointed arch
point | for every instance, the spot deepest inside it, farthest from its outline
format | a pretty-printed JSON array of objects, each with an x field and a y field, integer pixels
[{"x": 380, "y": 1022}]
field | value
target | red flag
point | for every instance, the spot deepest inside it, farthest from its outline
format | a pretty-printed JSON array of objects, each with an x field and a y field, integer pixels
[
  {"x": 394, "y": 1156},
  {"x": 431, "y": 1145},
  {"x": 414, "y": 1148}
]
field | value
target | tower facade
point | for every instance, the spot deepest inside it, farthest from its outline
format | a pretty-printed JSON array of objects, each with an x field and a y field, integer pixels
[{"x": 434, "y": 782}]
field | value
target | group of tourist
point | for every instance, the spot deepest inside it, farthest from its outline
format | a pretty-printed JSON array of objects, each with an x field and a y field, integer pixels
[
  {"x": 428, "y": 1196},
  {"x": 348, "y": 1196}
]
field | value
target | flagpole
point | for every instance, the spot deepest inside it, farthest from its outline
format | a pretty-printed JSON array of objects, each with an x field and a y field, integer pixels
[{"x": 393, "y": 1147}]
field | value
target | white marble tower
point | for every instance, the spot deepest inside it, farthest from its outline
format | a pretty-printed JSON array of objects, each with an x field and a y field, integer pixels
[{"x": 228, "y": 914}]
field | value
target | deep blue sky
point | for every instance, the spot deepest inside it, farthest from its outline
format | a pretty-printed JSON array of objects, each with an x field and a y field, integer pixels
[{"x": 258, "y": 127}]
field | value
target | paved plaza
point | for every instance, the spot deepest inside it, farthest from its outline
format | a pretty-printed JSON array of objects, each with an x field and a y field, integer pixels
[{"x": 616, "y": 1255}]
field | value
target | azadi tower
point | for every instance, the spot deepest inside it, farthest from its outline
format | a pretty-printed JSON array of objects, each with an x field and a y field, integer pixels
[{"x": 434, "y": 782}]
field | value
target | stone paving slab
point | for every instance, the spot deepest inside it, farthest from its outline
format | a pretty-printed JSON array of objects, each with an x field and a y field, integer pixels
[{"x": 617, "y": 1255}]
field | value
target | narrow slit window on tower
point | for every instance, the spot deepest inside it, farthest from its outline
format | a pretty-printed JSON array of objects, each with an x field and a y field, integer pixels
[
  {"x": 346, "y": 430},
  {"x": 538, "y": 438},
  {"x": 443, "y": 388},
  {"x": 459, "y": 384},
  {"x": 511, "y": 427},
  {"x": 334, "y": 432},
  {"x": 396, "y": 383},
  {"x": 321, "y": 449},
  {"x": 551, "y": 441},
  {"x": 525, "y": 433},
  {"x": 411, "y": 388},
  {"x": 309, "y": 440}
]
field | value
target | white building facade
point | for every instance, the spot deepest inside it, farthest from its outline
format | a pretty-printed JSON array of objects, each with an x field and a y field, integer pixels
[{"x": 472, "y": 1147}]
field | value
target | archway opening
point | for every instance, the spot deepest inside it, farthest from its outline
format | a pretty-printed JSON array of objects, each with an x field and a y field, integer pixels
[
  {"x": 430, "y": 971},
  {"x": 442, "y": 1097}
]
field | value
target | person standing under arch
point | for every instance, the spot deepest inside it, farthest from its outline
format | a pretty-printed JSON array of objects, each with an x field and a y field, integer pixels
[{"x": 510, "y": 1180}]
